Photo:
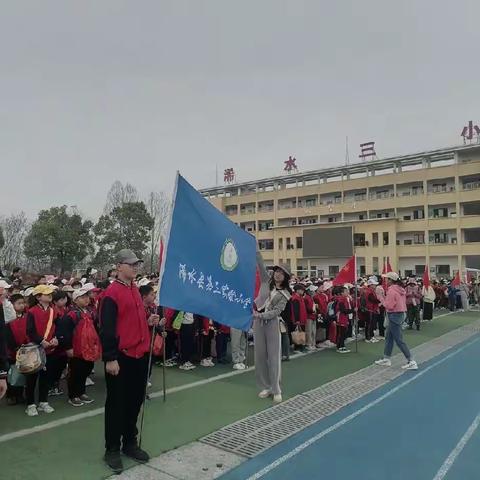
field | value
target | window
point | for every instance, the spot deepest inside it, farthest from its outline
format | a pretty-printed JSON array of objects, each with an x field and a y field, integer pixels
[
  {"x": 231, "y": 210},
  {"x": 267, "y": 225},
  {"x": 439, "y": 238},
  {"x": 417, "y": 190},
  {"x": 333, "y": 270},
  {"x": 289, "y": 244},
  {"x": 310, "y": 202},
  {"x": 375, "y": 264},
  {"x": 338, "y": 198},
  {"x": 362, "y": 270},
  {"x": 439, "y": 187},
  {"x": 440, "y": 212},
  {"x": 409, "y": 273},
  {"x": 280, "y": 243},
  {"x": 265, "y": 244},
  {"x": 375, "y": 239},
  {"x": 361, "y": 217},
  {"x": 385, "y": 238},
  {"x": 407, "y": 242},
  {"x": 419, "y": 269},
  {"x": 418, "y": 214},
  {"x": 418, "y": 238},
  {"x": 332, "y": 219},
  {"x": 299, "y": 242},
  {"x": 442, "y": 269},
  {"x": 359, "y": 239},
  {"x": 359, "y": 197},
  {"x": 407, "y": 217}
]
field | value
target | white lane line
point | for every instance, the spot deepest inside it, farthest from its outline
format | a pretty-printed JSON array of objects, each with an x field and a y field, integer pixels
[
  {"x": 99, "y": 411},
  {"x": 448, "y": 463},
  {"x": 272, "y": 466}
]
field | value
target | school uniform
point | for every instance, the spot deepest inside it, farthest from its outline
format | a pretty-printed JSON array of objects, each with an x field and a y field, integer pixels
[
  {"x": 15, "y": 336},
  {"x": 221, "y": 341},
  {"x": 207, "y": 334},
  {"x": 125, "y": 337},
  {"x": 37, "y": 321},
  {"x": 372, "y": 306},
  {"x": 311, "y": 323},
  {"x": 321, "y": 301},
  {"x": 298, "y": 314},
  {"x": 344, "y": 312}
]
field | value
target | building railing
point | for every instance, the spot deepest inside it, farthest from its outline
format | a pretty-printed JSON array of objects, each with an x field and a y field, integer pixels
[{"x": 471, "y": 185}]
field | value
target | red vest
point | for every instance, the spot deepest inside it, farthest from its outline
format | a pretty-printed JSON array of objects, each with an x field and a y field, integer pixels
[
  {"x": 302, "y": 319},
  {"x": 41, "y": 318},
  {"x": 342, "y": 318},
  {"x": 310, "y": 306},
  {"x": 18, "y": 327},
  {"x": 132, "y": 327}
]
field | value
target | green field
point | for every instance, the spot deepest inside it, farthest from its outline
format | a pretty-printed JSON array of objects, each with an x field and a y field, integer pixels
[{"x": 73, "y": 451}]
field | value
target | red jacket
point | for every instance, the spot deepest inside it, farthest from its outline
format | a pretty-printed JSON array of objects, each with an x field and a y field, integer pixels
[
  {"x": 298, "y": 309},
  {"x": 18, "y": 327},
  {"x": 372, "y": 302},
  {"x": 37, "y": 321},
  {"x": 132, "y": 330},
  {"x": 344, "y": 308},
  {"x": 321, "y": 300}
]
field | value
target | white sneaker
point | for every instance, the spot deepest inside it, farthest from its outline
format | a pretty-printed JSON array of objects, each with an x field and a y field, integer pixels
[
  {"x": 187, "y": 366},
  {"x": 206, "y": 363},
  {"x": 277, "y": 398},
  {"x": 149, "y": 384},
  {"x": 343, "y": 350},
  {"x": 375, "y": 340},
  {"x": 89, "y": 382},
  {"x": 265, "y": 394},
  {"x": 411, "y": 365},
  {"x": 239, "y": 366},
  {"x": 380, "y": 337},
  {"x": 210, "y": 362},
  {"x": 311, "y": 349},
  {"x": 384, "y": 362},
  {"x": 31, "y": 410},
  {"x": 369, "y": 341},
  {"x": 45, "y": 407}
]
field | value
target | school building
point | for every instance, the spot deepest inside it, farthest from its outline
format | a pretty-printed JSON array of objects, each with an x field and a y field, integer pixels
[{"x": 417, "y": 210}]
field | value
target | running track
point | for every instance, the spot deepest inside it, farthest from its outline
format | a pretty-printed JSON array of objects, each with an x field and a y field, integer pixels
[{"x": 422, "y": 426}]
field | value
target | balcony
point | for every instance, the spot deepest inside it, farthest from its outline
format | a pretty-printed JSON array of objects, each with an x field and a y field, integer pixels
[{"x": 411, "y": 250}]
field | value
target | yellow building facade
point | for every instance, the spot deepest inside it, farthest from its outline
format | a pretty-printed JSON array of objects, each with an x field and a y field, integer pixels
[{"x": 416, "y": 210}]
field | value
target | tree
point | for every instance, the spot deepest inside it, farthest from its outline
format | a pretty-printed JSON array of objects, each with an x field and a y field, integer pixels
[
  {"x": 127, "y": 226},
  {"x": 59, "y": 239},
  {"x": 158, "y": 206},
  {"x": 14, "y": 230},
  {"x": 118, "y": 195}
]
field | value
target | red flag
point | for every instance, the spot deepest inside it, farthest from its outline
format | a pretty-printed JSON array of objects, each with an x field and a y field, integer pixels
[
  {"x": 456, "y": 281},
  {"x": 347, "y": 274},
  {"x": 426, "y": 277},
  {"x": 386, "y": 268}
]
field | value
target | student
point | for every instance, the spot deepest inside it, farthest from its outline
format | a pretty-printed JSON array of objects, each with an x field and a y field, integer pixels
[
  {"x": 380, "y": 318},
  {"x": 311, "y": 325},
  {"x": 344, "y": 311},
  {"x": 16, "y": 336},
  {"x": 299, "y": 310},
  {"x": 266, "y": 330},
  {"x": 372, "y": 307},
  {"x": 221, "y": 341},
  {"x": 395, "y": 306},
  {"x": 321, "y": 301},
  {"x": 238, "y": 343},
  {"x": 77, "y": 335},
  {"x": 207, "y": 334},
  {"x": 187, "y": 341},
  {"x": 41, "y": 330},
  {"x": 428, "y": 301},
  {"x": 413, "y": 297}
]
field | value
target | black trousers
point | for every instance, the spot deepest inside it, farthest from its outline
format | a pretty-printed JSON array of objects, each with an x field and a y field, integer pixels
[
  {"x": 46, "y": 379},
  {"x": 207, "y": 344},
  {"x": 187, "y": 341},
  {"x": 380, "y": 320},
  {"x": 78, "y": 371},
  {"x": 170, "y": 344},
  {"x": 341, "y": 335},
  {"x": 125, "y": 394},
  {"x": 221, "y": 341},
  {"x": 57, "y": 366}
]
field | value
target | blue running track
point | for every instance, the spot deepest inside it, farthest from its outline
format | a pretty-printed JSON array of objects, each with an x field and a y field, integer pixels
[{"x": 405, "y": 430}]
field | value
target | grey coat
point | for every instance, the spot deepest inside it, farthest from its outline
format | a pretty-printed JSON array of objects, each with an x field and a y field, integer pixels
[{"x": 274, "y": 306}]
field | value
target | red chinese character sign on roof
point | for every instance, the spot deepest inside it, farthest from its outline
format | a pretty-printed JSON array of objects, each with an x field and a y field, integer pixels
[
  {"x": 229, "y": 175},
  {"x": 367, "y": 150},
  {"x": 290, "y": 165},
  {"x": 470, "y": 131}
]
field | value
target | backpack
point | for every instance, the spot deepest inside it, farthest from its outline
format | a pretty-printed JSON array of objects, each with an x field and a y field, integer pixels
[
  {"x": 86, "y": 342},
  {"x": 331, "y": 307}
]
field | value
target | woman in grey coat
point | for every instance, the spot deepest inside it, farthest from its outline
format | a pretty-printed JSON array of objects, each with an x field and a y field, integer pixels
[
  {"x": 464, "y": 294},
  {"x": 266, "y": 331}
]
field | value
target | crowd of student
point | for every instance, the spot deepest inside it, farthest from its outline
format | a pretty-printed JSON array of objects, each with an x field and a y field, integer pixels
[{"x": 62, "y": 315}]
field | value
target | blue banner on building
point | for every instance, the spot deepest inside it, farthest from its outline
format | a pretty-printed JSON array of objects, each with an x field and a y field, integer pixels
[{"x": 209, "y": 262}]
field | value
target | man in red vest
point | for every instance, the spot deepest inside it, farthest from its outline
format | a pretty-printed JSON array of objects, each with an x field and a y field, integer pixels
[{"x": 125, "y": 340}]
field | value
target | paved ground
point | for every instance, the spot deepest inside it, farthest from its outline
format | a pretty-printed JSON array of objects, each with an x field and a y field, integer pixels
[{"x": 68, "y": 443}]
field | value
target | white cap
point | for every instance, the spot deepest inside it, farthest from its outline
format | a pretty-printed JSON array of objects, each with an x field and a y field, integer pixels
[
  {"x": 93, "y": 271},
  {"x": 28, "y": 291},
  {"x": 4, "y": 284},
  {"x": 391, "y": 275},
  {"x": 79, "y": 293},
  {"x": 372, "y": 280},
  {"x": 143, "y": 281},
  {"x": 88, "y": 286},
  {"x": 312, "y": 288}
]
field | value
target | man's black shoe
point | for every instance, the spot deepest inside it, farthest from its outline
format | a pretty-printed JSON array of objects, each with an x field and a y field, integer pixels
[
  {"x": 135, "y": 452},
  {"x": 114, "y": 461}
]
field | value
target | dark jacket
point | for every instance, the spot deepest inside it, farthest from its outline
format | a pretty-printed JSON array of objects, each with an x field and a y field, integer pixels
[{"x": 3, "y": 346}]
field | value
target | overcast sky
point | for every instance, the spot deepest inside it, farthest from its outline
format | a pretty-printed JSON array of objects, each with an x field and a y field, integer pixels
[{"x": 96, "y": 91}]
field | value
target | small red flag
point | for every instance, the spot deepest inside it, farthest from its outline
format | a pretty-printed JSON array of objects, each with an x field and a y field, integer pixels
[
  {"x": 347, "y": 274},
  {"x": 426, "y": 277},
  {"x": 456, "y": 281}
]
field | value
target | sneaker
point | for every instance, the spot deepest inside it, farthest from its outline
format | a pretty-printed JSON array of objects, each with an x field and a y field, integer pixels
[
  {"x": 411, "y": 365},
  {"x": 206, "y": 363},
  {"x": 265, "y": 394},
  {"x": 384, "y": 362},
  {"x": 380, "y": 337},
  {"x": 149, "y": 384},
  {"x": 343, "y": 350},
  {"x": 369, "y": 341},
  {"x": 285, "y": 359},
  {"x": 171, "y": 363},
  {"x": 86, "y": 399},
  {"x": 375, "y": 340},
  {"x": 210, "y": 362},
  {"x": 135, "y": 452},
  {"x": 277, "y": 398},
  {"x": 75, "y": 402},
  {"x": 31, "y": 410},
  {"x": 114, "y": 461},
  {"x": 187, "y": 366},
  {"x": 45, "y": 407},
  {"x": 89, "y": 382},
  {"x": 311, "y": 348},
  {"x": 239, "y": 366},
  {"x": 55, "y": 392}
]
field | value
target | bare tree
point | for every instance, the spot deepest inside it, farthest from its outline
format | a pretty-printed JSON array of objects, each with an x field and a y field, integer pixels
[
  {"x": 15, "y": 228},
  {"x": 120, "y": 194},
  {"x": 158, "y": 206}
]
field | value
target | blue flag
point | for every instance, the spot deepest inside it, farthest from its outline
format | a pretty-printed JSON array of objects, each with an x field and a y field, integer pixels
[{"x": 209, "y": 262}]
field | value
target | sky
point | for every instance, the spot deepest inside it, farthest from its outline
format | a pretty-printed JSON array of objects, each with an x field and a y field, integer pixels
[{"x": 97, "y": 91}]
